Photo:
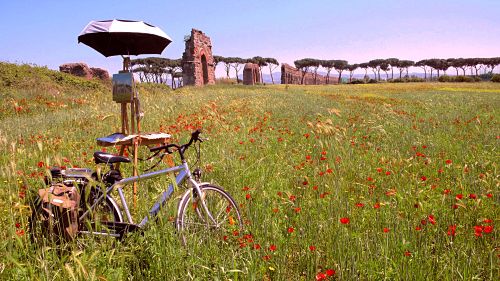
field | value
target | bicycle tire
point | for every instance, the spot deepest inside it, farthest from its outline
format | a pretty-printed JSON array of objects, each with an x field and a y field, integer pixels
[{"x": 193, "y": 224}]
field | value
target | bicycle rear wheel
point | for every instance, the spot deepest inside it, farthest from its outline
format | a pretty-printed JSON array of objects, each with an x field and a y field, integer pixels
[
  {"x": 102, "y": 218},
  {"x": 195, "y": 225}
]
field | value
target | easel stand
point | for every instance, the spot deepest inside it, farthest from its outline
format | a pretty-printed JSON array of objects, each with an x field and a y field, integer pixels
[{"x": 124, "y": 93}]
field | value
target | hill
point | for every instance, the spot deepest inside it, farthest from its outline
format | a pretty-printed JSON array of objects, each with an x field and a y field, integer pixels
[{"x": 374, "y": 181}]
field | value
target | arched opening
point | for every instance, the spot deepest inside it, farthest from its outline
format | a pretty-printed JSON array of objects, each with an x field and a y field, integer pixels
[{"x": 204, "y": 67}]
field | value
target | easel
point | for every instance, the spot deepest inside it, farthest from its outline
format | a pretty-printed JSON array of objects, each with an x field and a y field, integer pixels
[{"x": 124, "y": 92}]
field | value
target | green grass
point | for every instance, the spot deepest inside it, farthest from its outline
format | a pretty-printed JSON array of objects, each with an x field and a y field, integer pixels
[{"x": 391, "y": 156}]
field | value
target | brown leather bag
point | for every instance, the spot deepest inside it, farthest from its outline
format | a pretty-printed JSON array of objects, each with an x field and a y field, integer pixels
[{"x": 60, "y": 202}]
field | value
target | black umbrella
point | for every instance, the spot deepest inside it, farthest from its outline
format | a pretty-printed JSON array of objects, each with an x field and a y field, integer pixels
[{"x": 124, "y": 37}]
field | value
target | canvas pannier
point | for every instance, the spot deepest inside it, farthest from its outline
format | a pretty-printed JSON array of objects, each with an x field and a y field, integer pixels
[{"x": 60, "y": 204}]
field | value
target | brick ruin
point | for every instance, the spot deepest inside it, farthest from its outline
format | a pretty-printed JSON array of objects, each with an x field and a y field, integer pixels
[
  {"x": 197, "y": 60},
  {"x": 292, "y": 75},
  {"x": 251, "y": 74}
]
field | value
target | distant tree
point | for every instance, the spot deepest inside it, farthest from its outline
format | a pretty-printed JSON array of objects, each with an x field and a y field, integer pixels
[
  {"x": 404, "y": 65},
  {"x": 237, "y": 64},
  {"x": 217, "y": 60},
  {"x": 492, "y": 63},
  {"x": 455, "y": 63},
  {"x": 351, "y": 68},
  {"x": 315, "y": 64},
  {"x": 272, "y": 63},
  {"x": 364, "y": 66},
  {"x": 340, "y": 66},
  {"x": 385, "y": 67},
  {"x": 303, "y": 65},
  {"x": 424, "y": 66},
  {"x": 438, "y": 65},
  {"x": 328, "y": 65},
  {"x": 470, "y": 63},
  {"x": 393, "y": 62},
  {"x": 227, "y": 64},
  {"x": 375, "y": 65}
]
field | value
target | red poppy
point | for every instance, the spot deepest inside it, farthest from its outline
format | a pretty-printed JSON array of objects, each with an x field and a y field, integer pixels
[
  {"x": 478, "y": 230},
  {"x": 448, "y": 162},
  {"x": 320, "y": 276},
  {"x": 418, "y": 228},
  {"x": 330, "y": 272},
  {"x": 329, "y": 171},
  {"x": 305, "y": 183},
  {"x": 20, "y": 232},
  {"x": 18, "y": 225},
  {"x": 407, "y": 253},
  {"x": 248, "y": 196},
  {"x": 323, "y": 158},
  {"x": 256, "y": 246},
  {"x": 472, "y": 196},
  {"x": 315, "y": 187},
  {"x": 423, "y": 178},
  {"x": 236, "y": 233},
  {"x": 454, "y": 206},
  {"x": 489, "y": 195},
  {"x": 245, "y": 188},
  {"x": 306, "y": 136},
  {"x": 41, "y": 164},
  {"x": 345, "y": 220},
  {"x": 487, "y": 220},
  {"x": 431, "y": 219},
  {"x": 275, "y": 210},
  {"x": 452, "y": 230},
  {"x": 290, "y": 230},
  {"x": 369, "y": 179},
  {"x": 488, "y": 228},
  {"x": 388, "y": 173},
  {"x": 297, "y": 209},
  {"x": 273, "y": 248},
  {"x": 379, "y": 170},
  {"x": 308, "y": 157},
  {"x": 459, "y": 196},
  {"x": 292, "y": 197},
  {"x": 266, "y": 258},
  {"x": 360, "y": 205},
  {"x": 376, "y": 205},
  {"x": 446, "y": 191},
  {"x": 386, "y": 230},
  {"x": 312, "y": 248}
]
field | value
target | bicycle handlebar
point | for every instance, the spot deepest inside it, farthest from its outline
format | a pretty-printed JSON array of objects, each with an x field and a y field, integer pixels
[{"x": 195, "y": 136}]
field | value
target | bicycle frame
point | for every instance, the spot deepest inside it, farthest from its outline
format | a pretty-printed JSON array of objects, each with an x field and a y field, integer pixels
[{"x": 184, "y": 173}]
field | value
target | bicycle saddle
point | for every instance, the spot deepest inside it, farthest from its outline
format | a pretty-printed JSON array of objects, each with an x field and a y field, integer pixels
[{"x": 107, "y": 158}]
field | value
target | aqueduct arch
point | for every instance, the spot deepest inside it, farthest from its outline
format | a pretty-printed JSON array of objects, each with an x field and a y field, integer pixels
[{"x": 197, "y": 60}]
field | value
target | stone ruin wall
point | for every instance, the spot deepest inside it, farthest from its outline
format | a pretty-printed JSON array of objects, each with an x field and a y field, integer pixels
[
  {"x": 292, "y": 75},
  {"x": 193, "y": 65},
  {"x": 251, "y": 74},
  {"x": 83, "y": 70}
]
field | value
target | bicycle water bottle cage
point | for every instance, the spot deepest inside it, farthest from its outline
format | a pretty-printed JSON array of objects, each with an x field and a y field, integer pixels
[{"x": 107, "y": 158}]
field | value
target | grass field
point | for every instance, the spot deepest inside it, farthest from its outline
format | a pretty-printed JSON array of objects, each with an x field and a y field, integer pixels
[{"x": 348, "y": 182}]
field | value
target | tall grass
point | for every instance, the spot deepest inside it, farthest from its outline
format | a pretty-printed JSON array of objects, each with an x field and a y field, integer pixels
[{"x": 373, "y": 182}]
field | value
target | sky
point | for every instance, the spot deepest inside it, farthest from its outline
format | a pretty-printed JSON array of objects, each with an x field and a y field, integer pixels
[{"x": 45, "y": 32}]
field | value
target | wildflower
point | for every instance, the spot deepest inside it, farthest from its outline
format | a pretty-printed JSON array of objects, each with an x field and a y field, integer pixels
[
  {"x": 41, "y": 164},
  {"x": 431, "y": 219},
  {"x": 330, "y": 272},
  {"x": 478, "y": 231},
  {"x": 386, "y": 230},
  {"x": 275, "y": 210},
  {"x": 376, "y": 205},
  {"x": 388, "y": 173},
  {"x": 320, "y": 276},
  {"x": 472, "y": 196},
  {"x": 18, "y": 225},
  {"x": 312, "y": 248},
  {"x": 446, "y": 191},
  {"x": 379, "y": 170},
  {"x": 292, "y": 197},
  {"x": 369, "y": 179},
  {"x": 305, "y": 182},
  {"x": 20, "y": 232},
  {"x": 245, "y": 188},
  {"x": 344, "y": 220},
  {"x": 248, "y": 196},
  {"x": 308, "y": 157},
  {"x": 290, "y": 230},
  {"x": 256, "y": 246},
  {"x": 454, "y": 206},
  {"x": 487, "y": 220},
  {"x": 266, "y": 257},
  {"x": 236, "y": 233},
  {"x": 418, "y": 228},
  {"x": 273, "y": 248},
  {"x": 489, "y": 195},
  {"x": 407, "y": 253},
  {"x": 452, "y": 230},
  {"x": 306, "y": 136},
  {"x": 423, "y": 178},
  {"x": 459, "y": 196},
  {"x": 488, "y": 228},
  {"x": 360, "y": 205},
  {"x": 329, "y": 171},
  {"x": 448, "y": 162},
  {"x": 315, "y": 187},
  {"x": 297, "y": 210}
]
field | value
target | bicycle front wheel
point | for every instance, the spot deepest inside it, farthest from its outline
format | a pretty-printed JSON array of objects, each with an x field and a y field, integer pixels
[{"x": 195, "y": 224}]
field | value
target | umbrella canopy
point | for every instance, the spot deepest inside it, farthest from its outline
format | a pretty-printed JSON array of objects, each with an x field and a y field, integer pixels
[{"x": 124, "y": 37}]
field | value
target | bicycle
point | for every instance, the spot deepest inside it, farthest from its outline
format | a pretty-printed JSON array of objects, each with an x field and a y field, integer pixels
[{"x": 202, "y": 207}]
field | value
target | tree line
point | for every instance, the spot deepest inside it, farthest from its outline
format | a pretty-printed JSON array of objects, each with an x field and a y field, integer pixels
[
  {"x": 475, "y": 65},
  {"x": 159, "y": 70}
]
